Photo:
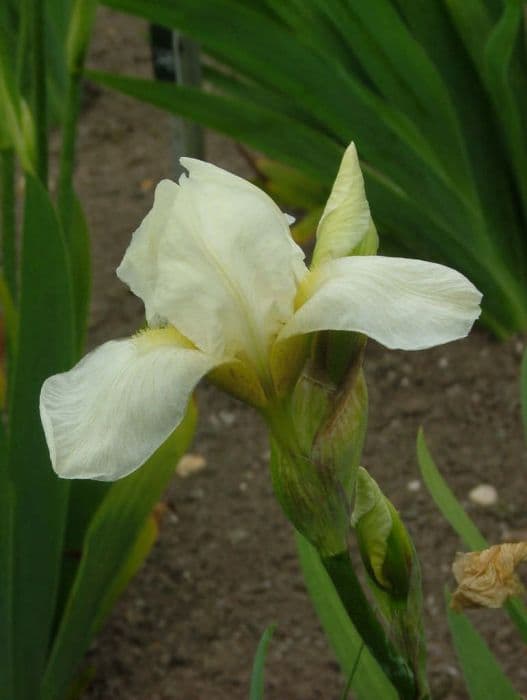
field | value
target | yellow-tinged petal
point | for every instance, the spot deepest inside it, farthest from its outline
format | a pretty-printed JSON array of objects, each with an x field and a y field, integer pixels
[
  {"x": 226, "y": 268},
  {"x": 487, "y": 578},
  {"x": 401, "y": 303},
  {"x": 346, "y": 218},
  {"x": 105, "y": 417}
]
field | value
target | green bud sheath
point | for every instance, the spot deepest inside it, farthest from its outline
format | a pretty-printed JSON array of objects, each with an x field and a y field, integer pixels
[
  {"x": 385, "y": 546},
  {"x": 316, "y": 440},
  {"x": 391, "y": 561}
]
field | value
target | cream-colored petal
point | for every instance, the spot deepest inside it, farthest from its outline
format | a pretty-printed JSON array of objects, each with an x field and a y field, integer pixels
[
  {"x": 346, "y": 217},
  {"x": 405, "y": 304},
  {"x": 228, "y": 268},
  {"x": 215, "y": 257},
  {"x": 139, "y": 267},
  {"x": 105, "y": 417}
]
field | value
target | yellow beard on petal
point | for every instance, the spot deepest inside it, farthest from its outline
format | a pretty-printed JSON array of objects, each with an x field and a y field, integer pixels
[{"x": 149, "y": 338}]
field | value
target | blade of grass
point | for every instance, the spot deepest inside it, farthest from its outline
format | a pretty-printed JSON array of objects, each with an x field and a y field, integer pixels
[
  {"x": 507, "y": 83},
  {"x": 8, "y": 223},
  {"x": 368, "y": 681},
  {"x": 347, "y": 688},
  {"x": 257, "y": 676},
  {"x": 305, "y": 148},
  {"x": 108, "y": 546},
  {"x": 262, "y": 50},
  {"x": 400, "y": 68},
  {"x": 431, "y": 25},
  {"x": 461, "y": 523},
  {"x": 45, "y": 346},
  {"x": 484, "y": 677},
  {"x": 445, "y": 500},
  {"x": 7, "y": 505}
]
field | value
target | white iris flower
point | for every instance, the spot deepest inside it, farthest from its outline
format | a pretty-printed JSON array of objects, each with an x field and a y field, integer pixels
[{"x": 226, "y": 291}]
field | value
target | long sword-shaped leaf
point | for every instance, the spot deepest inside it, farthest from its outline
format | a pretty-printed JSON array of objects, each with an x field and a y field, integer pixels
[
  {"x": 445, "y": 499},
  {"x": 506, "y": 80},
  {"x": 7, "y": 506},
  {"x": 45, "y": 346},
  {"x": 368, "y": 681},
  {"x": 304, "y": 148},
  {"x": 105, "y": 564},
  {"x": 483, "y": 675},
  {"x": 461, "y": 522},
  {"x": 264, "y": 51},
  {"x": 402, "y": 71},
  {"x": 431, "y": 26},
  {"x": 257, "y": 676}
]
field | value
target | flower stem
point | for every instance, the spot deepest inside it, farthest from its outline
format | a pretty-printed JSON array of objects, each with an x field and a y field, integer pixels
[{"x": 349, "y": 589}]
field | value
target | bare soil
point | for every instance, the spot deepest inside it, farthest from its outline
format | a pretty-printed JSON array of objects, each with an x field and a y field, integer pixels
[{"x": 225, "y": 564}]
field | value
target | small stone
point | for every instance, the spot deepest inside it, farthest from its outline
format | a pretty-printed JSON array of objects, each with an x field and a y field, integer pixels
[
  {"x": 227, "y": 417},
  {"x": 483, "y": 495},
  {"x": 146, "y": 185},
  {"x": 405, "y": 382},
  {"x": 414, "y": 485},
  {"x": 443, "y": 362},
  {"x": 243, "y": 487},
  {"x": 236, "y": 536},
  {"x": 214, "y": 420},
  {"x": 190, "y": 464}
]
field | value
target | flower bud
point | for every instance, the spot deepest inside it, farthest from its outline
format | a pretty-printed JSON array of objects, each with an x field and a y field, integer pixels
[
  {"x": 317, "y": 436},
  {"x": 385, "y": 546}
]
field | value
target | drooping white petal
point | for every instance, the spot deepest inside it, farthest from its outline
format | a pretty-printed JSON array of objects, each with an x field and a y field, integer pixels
[
  {"x": 139, "y": 267},
  {"x": 227, "y": 267},
  {"x": 107, "y": 415},
  {"x": 404, "y": 304},
  {"x": 346, "y": 217}
]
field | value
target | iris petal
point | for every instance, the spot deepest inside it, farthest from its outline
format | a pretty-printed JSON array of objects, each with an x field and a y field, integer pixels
[
  {"x": 404, "y": 304},
  {"x": 105, "y": 417}
]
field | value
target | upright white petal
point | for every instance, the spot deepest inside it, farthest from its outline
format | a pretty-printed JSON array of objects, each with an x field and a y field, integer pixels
[
  {"x": 228, "y": 268},
  {"x": 405, "y": 304},
  {"x": 139, "y": 267},
  {"x": 107, "y": 415},
  {"x": 346, "y": 217}
]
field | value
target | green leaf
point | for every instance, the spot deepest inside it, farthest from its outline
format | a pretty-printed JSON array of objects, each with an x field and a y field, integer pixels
[
  {"x": 507, "y": 83},
  {"x": 16, "y": 127},
  {"x": 306, "y": 149},
  {"x": 7, "y": 506},
  {"x": 401, "y": 70},
  {"x": 257, "y": 676},
  {"x": 368, "y": 681},
  {"x": 473, "y": 24},
  {"x": 79, "y": 252},
  {"x": 291, "y": 187},
  {"x": 45, "y": 346},
  {"x": 453, "y": 512},
  {"x": 445, "y": 500},
  {"x": 79, "y": 32},
  {"x": 397, "y": 78},
  {"x": 115, "y": 544},
  {"x": 483, "y": 675}
]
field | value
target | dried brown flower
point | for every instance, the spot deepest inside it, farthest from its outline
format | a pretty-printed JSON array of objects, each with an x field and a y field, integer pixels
[{"x": 487, "y": 578}]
